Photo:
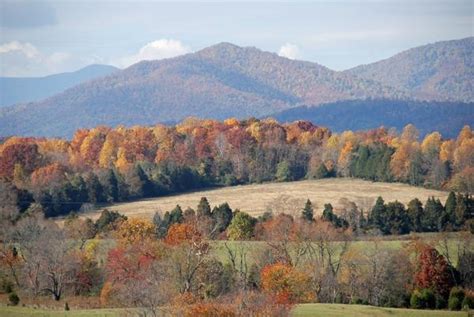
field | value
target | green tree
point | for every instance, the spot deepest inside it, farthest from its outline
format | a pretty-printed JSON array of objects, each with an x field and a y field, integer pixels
[
  {"x": 203, "y": 208},
  {"x": 308, "y": 212},
  {"x": 111, "y": 186},
  {"x": 283, "y": 173},
  {"x": 450, "y": 208},
  {"x": 222, "y": 216},
  {"x": 398, "y": 221},
  {"x": 328, "y": 213},
  {"x": 415, "y": 212},
  {"x": 241, "y": 227},
  {"x": 95, "y": 191},
  {"x": 377, "y": 217},
  {"x": 433, "y": 211}
]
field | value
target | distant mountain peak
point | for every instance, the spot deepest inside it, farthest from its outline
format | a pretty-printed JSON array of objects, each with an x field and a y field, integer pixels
[
  {"x": 436, "y": 71},
  {"x": 220, "y": 81}
]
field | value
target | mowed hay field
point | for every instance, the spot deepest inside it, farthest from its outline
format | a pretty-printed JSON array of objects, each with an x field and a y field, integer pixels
[
  {"x": 286, "y": 197},
  {"x": 336, "y": 310}
]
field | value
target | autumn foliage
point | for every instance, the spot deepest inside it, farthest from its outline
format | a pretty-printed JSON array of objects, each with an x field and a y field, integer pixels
[
  {"x": 285, "y": 283},
  {"x": 433, "y": 272}
]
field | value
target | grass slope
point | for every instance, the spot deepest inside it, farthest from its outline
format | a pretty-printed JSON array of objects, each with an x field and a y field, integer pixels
[
  {"x": 339, "y": 310},
  {"x": 286, "y": 197}
]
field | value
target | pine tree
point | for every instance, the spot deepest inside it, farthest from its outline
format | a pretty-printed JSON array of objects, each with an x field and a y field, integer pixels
[
  {"x": 328, "y": 213},
  {"x": 378, "y": 215},
  {"x": 222, "y": 216},
  {"x": 433, "y": 211},
  {"x": 203, "y": 208},
  {"x": 450, "y": 208},
  {"x": 308, "y": 212},
  {"x": 176, "y": 215},
  {"x": 95, "y": 191},
  {"x": 398, "y": 221},
  {"x": 415, "y": 212},
  {"x": 111, "y": 186}
]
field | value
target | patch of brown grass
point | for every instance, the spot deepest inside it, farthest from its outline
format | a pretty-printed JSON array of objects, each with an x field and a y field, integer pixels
[{"x": 286, "y": 197}]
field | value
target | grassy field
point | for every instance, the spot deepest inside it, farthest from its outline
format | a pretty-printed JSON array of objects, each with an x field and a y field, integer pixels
[
  {"x": 27, "y": 312},
  {"x": 220, "y": 251},
  {"x": 282, "y": 197},
  {"x": 335, "y": 310},
  {"x": 304, "y": 310}
]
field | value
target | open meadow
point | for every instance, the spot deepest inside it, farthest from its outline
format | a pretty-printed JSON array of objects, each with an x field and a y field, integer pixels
[
  {"x": 302, "y": 310},
  {"x": 288, "y": 197}
]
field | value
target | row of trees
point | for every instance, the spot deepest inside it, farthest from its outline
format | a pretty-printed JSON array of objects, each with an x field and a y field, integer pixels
[
  {"x": 104, "y": 165},
  {"x": 171, "y": 263}
]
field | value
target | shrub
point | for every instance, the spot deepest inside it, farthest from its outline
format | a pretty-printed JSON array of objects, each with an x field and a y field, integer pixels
[
  {"x": 6, "y": 286},
  {"x": 415, "y": 300},
  {"x": 13, "y": 299},
  {"x": 359, "y": 301},
  {"x": 467, "y": 303},
  {"x": 428, "y": 298},
  {"x": 440, "y": 302},
  {"x": 456, "y": 297},
  {"x": 423, "y": 299}
]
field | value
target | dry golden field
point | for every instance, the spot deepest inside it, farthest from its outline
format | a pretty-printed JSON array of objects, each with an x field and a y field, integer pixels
[{"x": 282, "y": 197}]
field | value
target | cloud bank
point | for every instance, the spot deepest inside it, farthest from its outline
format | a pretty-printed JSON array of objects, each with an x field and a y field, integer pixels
[
  {"x": 25, "y": 59},
  {"x": 159, "y": 49}
]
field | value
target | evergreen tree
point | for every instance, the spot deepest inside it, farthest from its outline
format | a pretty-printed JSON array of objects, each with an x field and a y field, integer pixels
[
  {"x": 377, "y": 216},
  {"x": 328, "y": 213},
  {"x": 464, "y": 209},
  {"x": 222, "y": 216},
  {"x": 397, "y": 219},
  {"x": 415, "y": 212},
  {"x": 308, "y": 212},
  {"x": 139, "y": 183},
  {"x": 80, "y": 190},
  {"x": 433, "y": 211},
  {"x": 176, "y": 215},
  {"x": 203, "y": 208},
  {"x": 111, "y": 186},
  {"x": 283, "y": 172},
  {"x": 450, "y": 208},
  {"x": 95, "y": 191}
]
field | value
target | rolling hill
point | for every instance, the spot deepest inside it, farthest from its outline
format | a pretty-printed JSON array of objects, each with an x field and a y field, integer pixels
[
  {"x": 24, "y": 89},
  {"x": 439, "y": 71},
  {"x": 448, "y": 118},
  {"x": 288, "y": 197},
  {"x": 221, "y": 81},
  {"x": 226, "y": 80}
]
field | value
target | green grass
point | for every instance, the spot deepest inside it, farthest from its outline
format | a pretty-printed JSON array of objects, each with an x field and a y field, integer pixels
[
  {"x": 27, "y": 312},
  {"x": 303, "y": 310},
  {"x": 220, "y": 252},
  {"x": 339, "y": 310}
]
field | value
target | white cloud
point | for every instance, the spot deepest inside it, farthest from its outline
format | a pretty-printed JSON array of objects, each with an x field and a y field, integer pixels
[
  {"x": 27, "y": 49},
  {"x": 290, "y": 51},
  {"x": 159, "y": 49},
  {"x": 25, "y": 60}
]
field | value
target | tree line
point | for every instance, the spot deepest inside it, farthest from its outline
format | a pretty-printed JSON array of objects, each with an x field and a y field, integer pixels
[{"x": 105, "y": 165}]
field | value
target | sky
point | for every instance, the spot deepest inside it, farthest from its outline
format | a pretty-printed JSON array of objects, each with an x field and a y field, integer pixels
[{"x": 39, "y": 38}]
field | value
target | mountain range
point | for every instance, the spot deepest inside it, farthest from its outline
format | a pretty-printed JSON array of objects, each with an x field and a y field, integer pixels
[
  {"x": 19, "y": 90},
  {"x": 226, "y": 80}
]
